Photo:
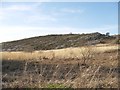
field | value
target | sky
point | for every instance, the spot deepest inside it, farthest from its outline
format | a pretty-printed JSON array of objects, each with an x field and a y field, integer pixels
[{"x": 20, "y": 20}]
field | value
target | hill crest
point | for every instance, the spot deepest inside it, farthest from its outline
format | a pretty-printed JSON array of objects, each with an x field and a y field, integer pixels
[{"x": 55, "y": 41}]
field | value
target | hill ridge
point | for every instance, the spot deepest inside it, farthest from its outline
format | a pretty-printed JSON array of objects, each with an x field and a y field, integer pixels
[{"x": 57, "y": 41}]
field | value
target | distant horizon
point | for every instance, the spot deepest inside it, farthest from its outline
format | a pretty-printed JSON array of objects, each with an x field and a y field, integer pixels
[
  {"x": 57, "y": 34},
  {"x": 21, "y": 20}
]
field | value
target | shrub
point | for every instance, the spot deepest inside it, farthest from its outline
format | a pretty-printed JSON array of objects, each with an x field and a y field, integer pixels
[{"x": 87, "y": 54}]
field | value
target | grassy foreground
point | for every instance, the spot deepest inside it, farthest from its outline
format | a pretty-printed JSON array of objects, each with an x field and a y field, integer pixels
[{"x": 81, "y": 67}]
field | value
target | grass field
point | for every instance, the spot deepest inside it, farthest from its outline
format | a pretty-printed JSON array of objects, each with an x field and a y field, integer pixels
[
  {"x": 81, "y": 67},
  {"x": 58, "y": 53}
]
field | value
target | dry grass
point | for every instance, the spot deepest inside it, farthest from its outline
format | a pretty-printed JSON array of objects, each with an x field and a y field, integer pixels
[
  {"x": 61, "y": 53},
  {"x": 91, "y": 77},
  {"x": 101, "y": 73}
]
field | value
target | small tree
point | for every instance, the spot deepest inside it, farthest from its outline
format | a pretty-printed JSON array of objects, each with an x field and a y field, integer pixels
[
  {"x": 87, "y": 54},
  {"x": 107, "y": 34},
  {"x": 70, "y": 33}
]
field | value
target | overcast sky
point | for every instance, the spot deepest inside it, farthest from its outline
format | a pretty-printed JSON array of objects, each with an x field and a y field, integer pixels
[{"x": 22, "y": 20}]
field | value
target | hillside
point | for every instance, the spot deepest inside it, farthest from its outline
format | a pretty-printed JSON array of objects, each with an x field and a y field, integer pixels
[
  {"x": 49, "y": 42},
  {"x": 94, "y": 66}
]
